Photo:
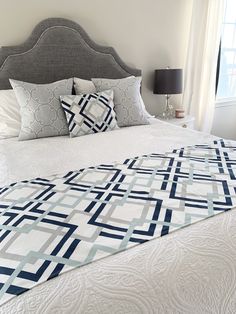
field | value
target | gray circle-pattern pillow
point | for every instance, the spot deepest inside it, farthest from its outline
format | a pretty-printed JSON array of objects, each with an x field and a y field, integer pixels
[
  {"x": 129, "y": 106},
  {"x": 40, "y": 108}
]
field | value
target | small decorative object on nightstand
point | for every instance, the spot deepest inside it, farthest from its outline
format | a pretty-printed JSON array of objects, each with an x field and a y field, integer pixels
[
  {"x": 179, "y": 113},
  {"x": 167, "y": 82}
]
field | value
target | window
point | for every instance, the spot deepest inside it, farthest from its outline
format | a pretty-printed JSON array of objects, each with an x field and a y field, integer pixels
[{"x": 227, "y": 73}]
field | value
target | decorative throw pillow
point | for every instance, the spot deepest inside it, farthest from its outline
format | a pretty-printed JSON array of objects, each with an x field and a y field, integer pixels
[
  {"x": 89, "y": 113},
  {"x": 10, "y": 121},
  {"x": 83, "y": 86},
  {"x": 40, "y": 108},
  {"x": 129, "y": 106}
]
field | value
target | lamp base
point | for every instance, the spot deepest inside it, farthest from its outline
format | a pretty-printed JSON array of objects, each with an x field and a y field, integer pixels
[
  {"x": 165, "y": 116},
  {"x": 169, "y": 111}
]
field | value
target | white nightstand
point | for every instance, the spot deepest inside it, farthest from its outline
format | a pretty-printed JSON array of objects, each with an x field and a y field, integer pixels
[{"x": 186, "y": 122}]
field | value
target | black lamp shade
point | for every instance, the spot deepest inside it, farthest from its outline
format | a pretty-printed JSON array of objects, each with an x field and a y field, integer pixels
[{"x": 168, "y": 81}]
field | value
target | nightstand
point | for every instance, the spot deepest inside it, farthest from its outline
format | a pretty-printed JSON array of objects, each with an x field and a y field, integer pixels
[{"x": 186, "y": 122}]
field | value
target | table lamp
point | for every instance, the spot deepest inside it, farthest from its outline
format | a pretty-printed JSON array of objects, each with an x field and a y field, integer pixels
[{"x": 168, "y": 82}]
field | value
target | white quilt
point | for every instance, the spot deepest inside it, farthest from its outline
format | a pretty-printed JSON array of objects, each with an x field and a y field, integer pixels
[{"x": 190, "y": 271}]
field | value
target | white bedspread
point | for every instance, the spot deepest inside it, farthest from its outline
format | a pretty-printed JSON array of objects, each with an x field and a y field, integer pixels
[{"x": 190, "y": 271}]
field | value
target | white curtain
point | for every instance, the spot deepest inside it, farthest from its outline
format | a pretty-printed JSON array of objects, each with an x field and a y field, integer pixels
[{"x": 201, "y": 63}]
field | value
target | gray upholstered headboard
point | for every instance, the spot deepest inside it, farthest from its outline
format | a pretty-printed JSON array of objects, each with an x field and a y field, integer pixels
[{"x": 59, "y": 49}]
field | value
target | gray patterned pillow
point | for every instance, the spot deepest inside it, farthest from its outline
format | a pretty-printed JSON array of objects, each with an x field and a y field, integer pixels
[
  {"x": 89, "y": 113},
  {"x": 129, "y": 106},
  {"x": 40, "y": 108}
]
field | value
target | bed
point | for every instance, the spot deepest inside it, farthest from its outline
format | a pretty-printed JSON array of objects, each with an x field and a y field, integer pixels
[{"x": 191, "y": 270}]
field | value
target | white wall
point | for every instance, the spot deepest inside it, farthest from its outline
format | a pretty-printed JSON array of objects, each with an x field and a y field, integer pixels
[{"x": 147, "y": 34}]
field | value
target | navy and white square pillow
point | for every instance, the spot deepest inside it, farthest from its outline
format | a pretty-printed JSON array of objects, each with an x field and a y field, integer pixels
[{"x": 89, "y": 113}]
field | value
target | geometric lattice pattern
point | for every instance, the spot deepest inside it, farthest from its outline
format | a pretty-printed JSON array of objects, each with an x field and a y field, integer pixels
[
  {"x": 89, "y": 113},
  {"x": 50, "y": 226}
]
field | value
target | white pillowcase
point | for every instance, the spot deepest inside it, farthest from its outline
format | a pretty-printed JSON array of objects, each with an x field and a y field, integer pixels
[
  {"x": 83, "y": 86},
  {"x": 10, "y": 119}
]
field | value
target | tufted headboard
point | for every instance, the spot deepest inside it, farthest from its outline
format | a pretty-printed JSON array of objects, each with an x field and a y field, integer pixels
[{"x": 59, "y": 49}]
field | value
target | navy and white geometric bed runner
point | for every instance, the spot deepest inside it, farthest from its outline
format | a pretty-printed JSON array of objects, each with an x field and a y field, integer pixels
[{"x": 50, "y": 226}]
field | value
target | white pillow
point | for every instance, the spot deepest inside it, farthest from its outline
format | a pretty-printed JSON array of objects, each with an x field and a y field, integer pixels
[
  {"x": 83, "y": 86},
  {"x": 10, "y": 119}
]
